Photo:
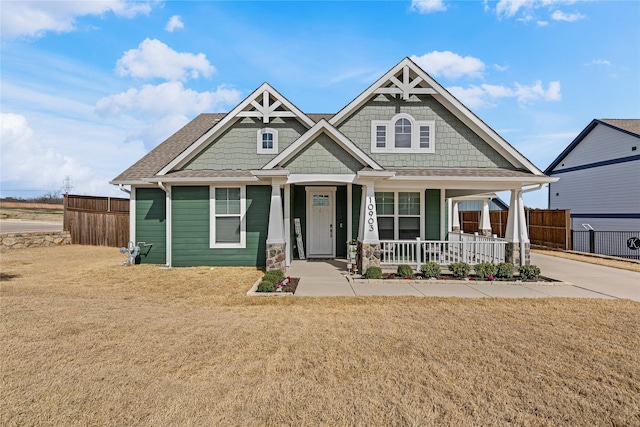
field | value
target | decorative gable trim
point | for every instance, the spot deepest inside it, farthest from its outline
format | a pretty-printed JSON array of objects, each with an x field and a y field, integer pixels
[
  {"x": 323, "y": 127},
  {"x": 407, "y": 79},
  {"x": 264, "y": 102}
]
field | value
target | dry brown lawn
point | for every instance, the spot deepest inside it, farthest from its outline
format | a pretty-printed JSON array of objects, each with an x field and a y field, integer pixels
[{"x": 86, "y": 341}]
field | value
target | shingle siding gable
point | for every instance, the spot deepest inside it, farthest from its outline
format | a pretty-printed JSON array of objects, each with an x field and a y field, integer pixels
[
  {"x": 455, "y": 144},
  {"x": 323, "y": 156},
  {"x": 236, "y": 148}
]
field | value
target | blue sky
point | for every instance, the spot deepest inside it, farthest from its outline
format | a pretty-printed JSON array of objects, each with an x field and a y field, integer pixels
[{"x": 88, "y": 87}]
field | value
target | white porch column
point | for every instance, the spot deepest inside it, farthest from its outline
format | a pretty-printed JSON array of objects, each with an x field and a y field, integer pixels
[
  {"x": 276, "y": 218},
  {"x": 485, "y": 220},
  {"x": 516, "y": 235},
  {"x": 287, "y": 222},
  {"x": 370, "y": 219},
  {"x": 512, "y": 234},
  {"x": 361, "y": 222},
  {"x": 455, "y": 218},
  {"x": 368, "y": 238},
  {"x": 276, "y": 246}
]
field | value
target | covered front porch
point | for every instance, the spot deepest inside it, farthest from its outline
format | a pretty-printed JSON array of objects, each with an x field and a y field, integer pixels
[{"x": 389, "y": 221}]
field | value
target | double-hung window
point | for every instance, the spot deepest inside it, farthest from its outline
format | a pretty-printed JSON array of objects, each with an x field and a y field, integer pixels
[
  {"x": 227, "y": 217},
  {"x": 385, "y": 208},
  {"x": 402, "y": 134},
  {"x": 399, "y": 215}
]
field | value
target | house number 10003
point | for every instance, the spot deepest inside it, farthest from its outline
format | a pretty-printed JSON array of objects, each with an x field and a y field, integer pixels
[{"x": 370, "y": 212}]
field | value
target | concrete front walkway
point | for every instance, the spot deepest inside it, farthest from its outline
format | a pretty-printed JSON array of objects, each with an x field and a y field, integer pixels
[{"x": 327, "y": 278}]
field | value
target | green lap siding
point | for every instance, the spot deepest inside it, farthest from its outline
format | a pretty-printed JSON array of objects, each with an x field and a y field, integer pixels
[
  {"x": 151, "y": 224},
  {"x": 432, "y": 215},
  {"x": 341, "y": 220},
  {"x": 356, "y": 196},
  {"x": 299, "y": 207},
  {"x": 191, "y": 225}
]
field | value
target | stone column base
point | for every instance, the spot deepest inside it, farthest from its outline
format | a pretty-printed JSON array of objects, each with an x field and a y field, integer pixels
[
  {"x": 455, "y": 229},
  {"x": 276, "y": 256},
  {"x": 368, "y": 255},
  {"x": 486, "y": 232},
  {"x": 512, "y": 253}
]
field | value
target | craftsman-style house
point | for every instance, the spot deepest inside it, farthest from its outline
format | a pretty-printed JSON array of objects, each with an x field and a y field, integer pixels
[{"x": 267, "y": 183}]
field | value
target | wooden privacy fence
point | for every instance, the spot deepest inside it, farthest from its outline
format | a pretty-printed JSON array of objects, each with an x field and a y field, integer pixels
[
  {"x": 97, "y": 221},
  {"x": 546, "y": 227}
]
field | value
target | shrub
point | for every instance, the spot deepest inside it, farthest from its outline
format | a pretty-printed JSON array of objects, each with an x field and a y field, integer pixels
[
  {"x": 460, "y": 269},
  {"x": 405, "y": 270},
  {"x": 275, "y": 276},
  {"x": 430, "y": 269},
  {"x": 266, "y": 286},
  {"x": 373, "y": 272},
  {"x": 529, "y": 271},
  {"x": 486, "y": 269},
  {"x": 505, "y": 270}
]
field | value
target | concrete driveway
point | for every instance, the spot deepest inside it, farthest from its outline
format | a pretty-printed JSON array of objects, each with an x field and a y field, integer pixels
[
  {"x": 26, "y": 226},
  {"x": 326, "y": 278},
  {"x": 595, "y": 278}
]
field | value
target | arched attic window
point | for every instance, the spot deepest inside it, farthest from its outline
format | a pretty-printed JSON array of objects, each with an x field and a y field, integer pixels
[{"x": 402, "y": 133}]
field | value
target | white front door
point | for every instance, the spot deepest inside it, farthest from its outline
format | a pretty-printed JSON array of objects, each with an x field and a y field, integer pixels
[{"x": 320, "y": 222}]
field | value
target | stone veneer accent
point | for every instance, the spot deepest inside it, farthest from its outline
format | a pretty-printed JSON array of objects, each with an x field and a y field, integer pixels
[
  {"x": 487, "y": 232},
  {"x": 276, "y": 258},
  {"x": 34, "y": 240},
  {"x": 512, "y": 254},
  {"x": 368, "y": 255}
]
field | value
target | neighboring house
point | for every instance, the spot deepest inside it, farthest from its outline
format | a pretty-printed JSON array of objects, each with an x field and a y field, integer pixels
[
  {"x": 600, "y": 177},
  {"x": 228, "y": 189},
  {"x": 495, "y": 204}
]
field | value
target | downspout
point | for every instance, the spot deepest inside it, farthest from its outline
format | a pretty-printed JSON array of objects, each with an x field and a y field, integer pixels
[
  {"x": 121, "y": 186},
  {"x": 520, "y": 198}
]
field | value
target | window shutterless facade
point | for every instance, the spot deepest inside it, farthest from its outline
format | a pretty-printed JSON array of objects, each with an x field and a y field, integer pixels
[
  {"x": 228, "y": 225},
  {"x": 402, "y": 134},
  {"x": 267, "y": 141},
  {"x": 399, "y": 215}
]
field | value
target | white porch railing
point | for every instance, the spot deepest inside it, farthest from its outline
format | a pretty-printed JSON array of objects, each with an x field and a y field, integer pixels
[{"x": 460, "y": 247}]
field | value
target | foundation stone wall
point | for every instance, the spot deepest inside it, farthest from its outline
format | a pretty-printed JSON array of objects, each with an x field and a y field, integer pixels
[{"x": 34, "y": 239}]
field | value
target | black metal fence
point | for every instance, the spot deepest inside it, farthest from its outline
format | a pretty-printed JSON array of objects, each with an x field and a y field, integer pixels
[{"x": 624, "y": 244}]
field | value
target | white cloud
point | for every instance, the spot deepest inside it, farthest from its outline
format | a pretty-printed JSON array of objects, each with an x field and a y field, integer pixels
[
  {"x": 34, "y": 18},
  {"x": 484, "y": 95},
  {"x": 428, "y": 6},
  {"x": 450, "y": 65},
  {"x": 175, "y": 23},
  {"x": 542, "y": 23},
  {"x": 154, "y": 59},
  {"x": 31, "y": 162},
  {"x": 525, "y": 8},
  {"x": 567, "y": 17},
  {"x": 166, "y": 99},
  {"x": 599, "y": 62}
]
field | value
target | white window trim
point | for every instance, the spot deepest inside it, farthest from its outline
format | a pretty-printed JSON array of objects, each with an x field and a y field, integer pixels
[
  {"x": 212, "y": 218},
  {"x": 261, "y": 150},
  {"x": 415, "y": 135},
  {"x": 396, "y": 214}
]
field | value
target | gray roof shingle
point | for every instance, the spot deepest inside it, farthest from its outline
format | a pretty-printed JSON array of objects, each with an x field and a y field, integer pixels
[{"x": 160, "y": 156}]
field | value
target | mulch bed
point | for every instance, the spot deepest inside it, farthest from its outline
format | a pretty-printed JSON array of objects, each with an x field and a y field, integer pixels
[
  {"x": 292, "y": 285},
  {"x": 471, "y": 278}
]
